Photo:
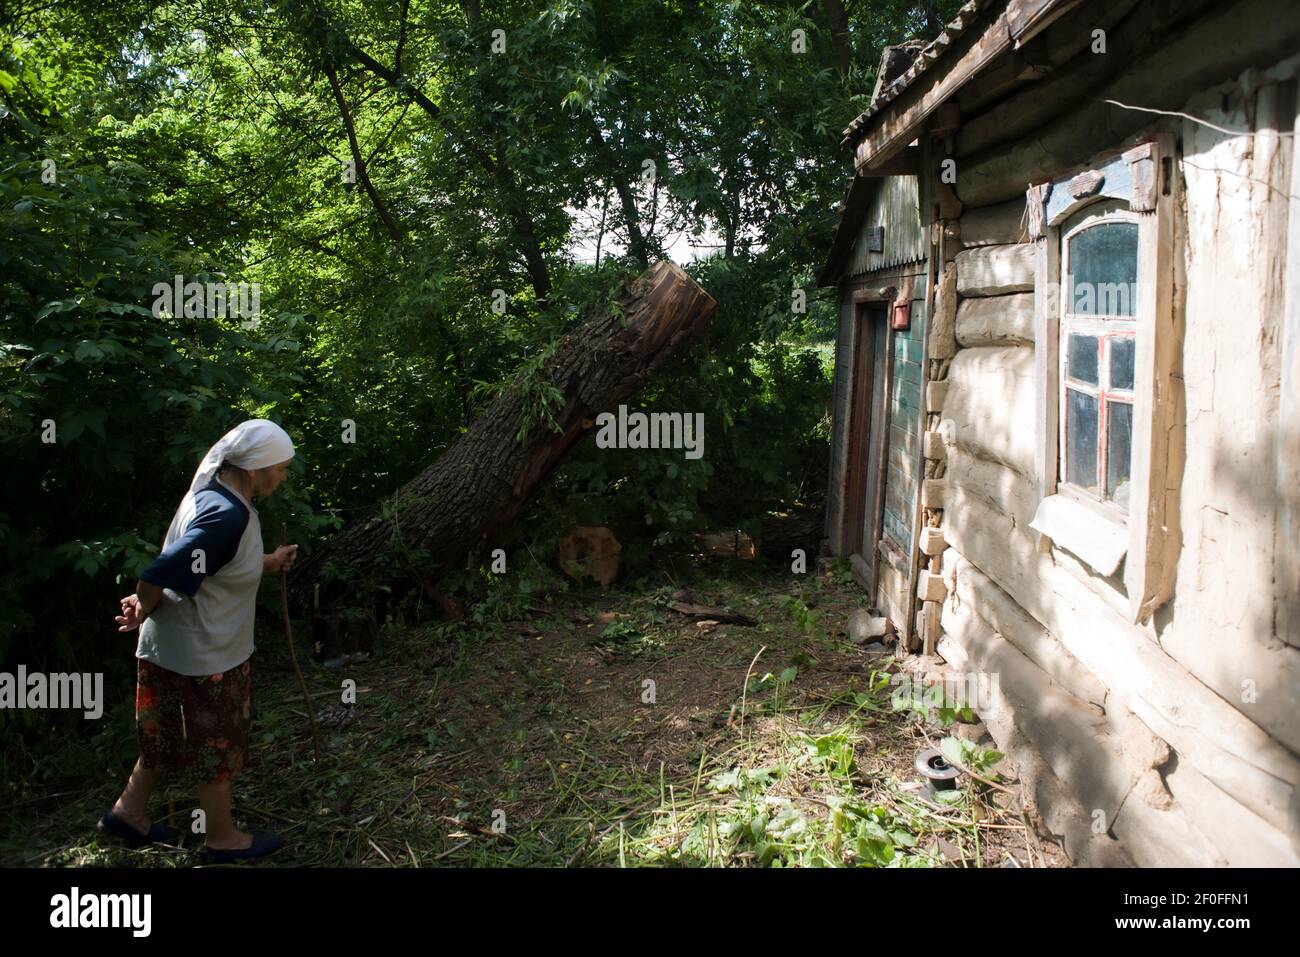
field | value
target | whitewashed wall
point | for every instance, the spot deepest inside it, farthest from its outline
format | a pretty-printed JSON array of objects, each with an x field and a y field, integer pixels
[{"x": 1184, "y": 733}]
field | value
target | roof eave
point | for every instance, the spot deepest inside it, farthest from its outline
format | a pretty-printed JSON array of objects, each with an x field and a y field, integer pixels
[{"x": 895, "y": 118}]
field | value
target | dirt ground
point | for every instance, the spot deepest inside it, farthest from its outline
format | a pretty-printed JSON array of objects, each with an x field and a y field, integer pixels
[{"x": 598, "y": 727}]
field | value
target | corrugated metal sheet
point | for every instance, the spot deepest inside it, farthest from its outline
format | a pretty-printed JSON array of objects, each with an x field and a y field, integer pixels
[{"x": 896, "y": 207}]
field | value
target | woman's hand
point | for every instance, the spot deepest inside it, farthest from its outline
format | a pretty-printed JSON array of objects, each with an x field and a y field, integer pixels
[
  {"x": 280, "y": 560},
  {"x": 136, "y": 608},
  {"x": 133, "y": 614}
]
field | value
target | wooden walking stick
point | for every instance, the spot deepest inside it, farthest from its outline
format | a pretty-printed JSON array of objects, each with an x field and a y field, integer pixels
[{"x": 293, "y": 655}]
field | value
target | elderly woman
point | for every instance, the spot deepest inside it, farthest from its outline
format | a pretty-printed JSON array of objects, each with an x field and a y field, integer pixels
[{"x": 194, "y": 606}]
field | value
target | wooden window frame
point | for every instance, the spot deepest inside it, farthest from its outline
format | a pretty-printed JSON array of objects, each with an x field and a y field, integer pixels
[
  {"x": 1105, "y": 328},
  {"x": 1146, "y": 542}
]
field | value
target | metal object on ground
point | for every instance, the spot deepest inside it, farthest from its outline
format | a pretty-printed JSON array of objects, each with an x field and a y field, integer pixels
[{"x": 939, "y": 775}]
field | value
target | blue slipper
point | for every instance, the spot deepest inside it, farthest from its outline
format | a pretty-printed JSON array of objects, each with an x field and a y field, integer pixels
[
  {"x": 113, "y": 825},
  {"x": 263, "y": 844}
]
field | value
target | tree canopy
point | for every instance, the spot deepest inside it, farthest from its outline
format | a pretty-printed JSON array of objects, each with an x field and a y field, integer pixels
[{"x": 425, "y": 195}]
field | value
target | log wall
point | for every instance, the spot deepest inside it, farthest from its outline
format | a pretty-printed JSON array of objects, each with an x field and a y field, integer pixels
[{"x": 1183, "y": 733}]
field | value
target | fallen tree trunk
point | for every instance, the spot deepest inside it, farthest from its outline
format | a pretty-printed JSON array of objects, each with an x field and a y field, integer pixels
[
  {"x": 484, "y": 481},
  {"x": 782, "y": 533}
]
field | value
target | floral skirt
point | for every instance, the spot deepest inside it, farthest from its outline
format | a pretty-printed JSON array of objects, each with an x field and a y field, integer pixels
[{"x": 196, "y": 725}]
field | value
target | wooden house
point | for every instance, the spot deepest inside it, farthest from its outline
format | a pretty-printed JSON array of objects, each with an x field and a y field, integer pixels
[{"x": 1067, "y": 408}]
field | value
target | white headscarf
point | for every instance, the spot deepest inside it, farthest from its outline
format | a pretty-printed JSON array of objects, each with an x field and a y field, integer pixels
[{"x": 253, "y": 444}]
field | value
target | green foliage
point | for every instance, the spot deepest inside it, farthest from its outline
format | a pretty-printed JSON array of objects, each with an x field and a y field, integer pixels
[
  {"x": 140, "y": 141},
  {"x": 841, "y": 572},
  {"x": 926, "y": 701},
  {"x": 805, "y": 619},
  {"x": 776, "y": 832},
  {"x": 964, "y": 753}
]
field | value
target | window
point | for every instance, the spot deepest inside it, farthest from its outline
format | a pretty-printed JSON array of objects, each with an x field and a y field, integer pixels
[
  {"x": 1099, "y": 260},
  {"x": 1107, "y": 337}
]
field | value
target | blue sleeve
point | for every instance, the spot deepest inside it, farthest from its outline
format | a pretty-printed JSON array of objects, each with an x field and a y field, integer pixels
[{"x": 214, "y": 531}]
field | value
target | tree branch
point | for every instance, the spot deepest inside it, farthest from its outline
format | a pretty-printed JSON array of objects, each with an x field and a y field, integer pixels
[
  {"x": 358, "y": 160},
  {"x": 631, "y": 216}
]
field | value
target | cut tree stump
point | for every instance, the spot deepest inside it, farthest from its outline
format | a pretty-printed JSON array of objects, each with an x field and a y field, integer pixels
[
  {"x": 591, "y": 551},
  {"x": 783, "y": 532},
  {"x": 484, "y": 481}
]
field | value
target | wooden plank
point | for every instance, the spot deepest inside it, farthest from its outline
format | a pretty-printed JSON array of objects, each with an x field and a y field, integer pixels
[
  {"x": 1286, "y": 557},
  {"x": 893, "y": 209},
  {"x": 905, "y": 396},
  {"x": 903, "y": 435},
  {"x": 861, "y": 386},
  {"x": 890, "y": 552},
  {"x": 877, "y": 461},
  {"x": 1013, "y": 117},
  {"x": 909, "y": 350},
  {"x": 935, "y": 447},
  {"x": 896, "y": 531},
  {"x": 874, "y": 293},
  {"x": 902, "y": 455},
  {"x": 934, "y": 396},
  {"x": 1097, "y": 540},
  {"x": 932, "y": 541},
  {"x": 901, "y": 460},
  {"x": 996, "y": 320},
  {"x": 908, "y": 374},
  {"x": 900, "y": 476},
  {"x": 906, "y": 162},
  {"x": 863, "y": 573},
  {"x": 933, "y": 261},
  {"x": 941, "y": 342},
  {"x": 930, "y": 587},
  {"x": 1153, "y": 518},
  {"x": 1047, "y": 342},
  {"x": 994, "y": 225},
  {"x": 900, "y": 495},
  {"x": 835, "y": 480},
  {"x": 930, "y": 627},
  {"x": 895, "y": 498},
  {"x": 1027, "y": 18},
  {"x": 1226, "y": 41},
  {"x": 934, "y": 493},
  {"x": 995, "y": 271}
]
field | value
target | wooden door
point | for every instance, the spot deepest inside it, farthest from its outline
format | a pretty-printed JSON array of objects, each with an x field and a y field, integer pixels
[{"x": 866, "y": 436}]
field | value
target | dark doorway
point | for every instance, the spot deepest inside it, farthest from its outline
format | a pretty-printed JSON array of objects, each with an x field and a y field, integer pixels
[{"x": 866, "y": 434}]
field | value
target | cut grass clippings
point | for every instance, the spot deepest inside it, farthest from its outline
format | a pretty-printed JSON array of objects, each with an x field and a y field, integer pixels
[{"x": 601, "y": 729}]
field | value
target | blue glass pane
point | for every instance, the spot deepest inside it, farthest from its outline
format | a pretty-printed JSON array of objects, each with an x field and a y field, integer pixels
[
  {"x": 1103, "y": 270},
  {"x": 1119, "y": 450},
  {"x": 1121, "y": 362},
  {"x": 1081, "y": 360},
  {"x": 1081, "y": 440}
]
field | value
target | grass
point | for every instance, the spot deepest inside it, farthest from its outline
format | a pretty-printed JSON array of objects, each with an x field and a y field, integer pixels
[{"x": 597, "y": 728}]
